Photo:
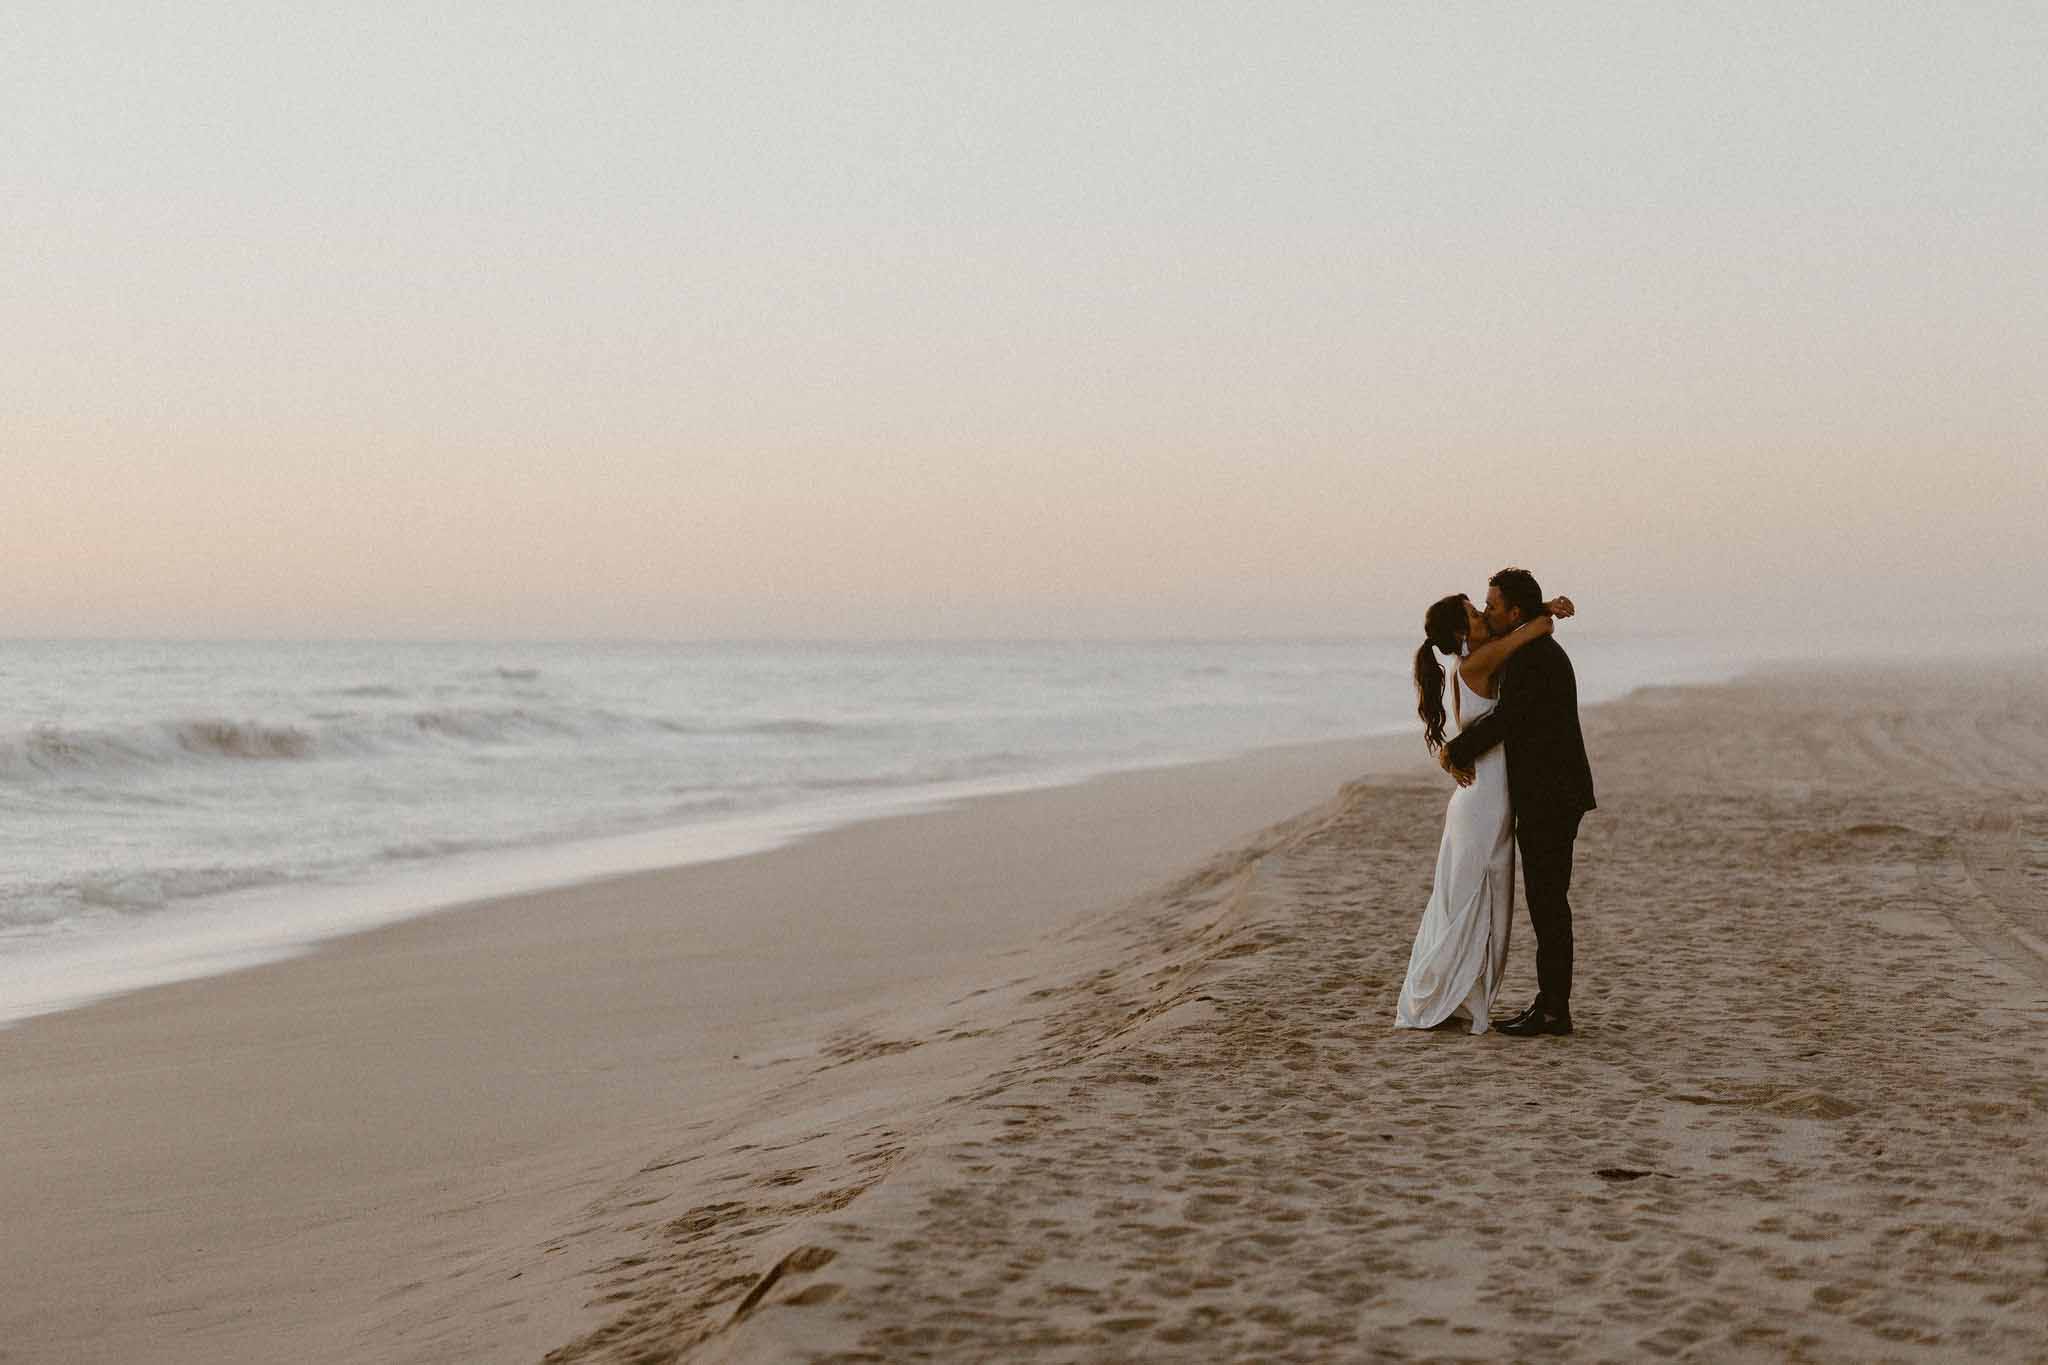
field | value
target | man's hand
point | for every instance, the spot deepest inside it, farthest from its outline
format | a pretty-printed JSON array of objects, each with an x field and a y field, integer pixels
[{"x": 1463, "y": 775}]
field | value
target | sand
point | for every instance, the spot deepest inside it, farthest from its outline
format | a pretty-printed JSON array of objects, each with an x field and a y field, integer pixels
[
  {"x": 403, "y": 1147},
  {"x": 1803, "y": 1117}
]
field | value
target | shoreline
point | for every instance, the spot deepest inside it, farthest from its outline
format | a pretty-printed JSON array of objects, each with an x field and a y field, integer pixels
[
  {"x": 355, "y": 1134},
  {"x": 1050, "y": 1076},
  {"x": 117, "y": 933},
  {"x": 219, "y": 935}
]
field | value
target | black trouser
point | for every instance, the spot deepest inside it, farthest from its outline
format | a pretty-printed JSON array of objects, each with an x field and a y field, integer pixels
[{"x": 1546, "y": 844}]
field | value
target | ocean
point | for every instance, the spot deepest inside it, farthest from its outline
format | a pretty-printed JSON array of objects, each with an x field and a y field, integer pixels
[{"x": 176, "y": 809}]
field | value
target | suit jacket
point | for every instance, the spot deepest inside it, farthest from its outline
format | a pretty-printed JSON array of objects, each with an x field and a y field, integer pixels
[{"x": 1538, "y": 720}]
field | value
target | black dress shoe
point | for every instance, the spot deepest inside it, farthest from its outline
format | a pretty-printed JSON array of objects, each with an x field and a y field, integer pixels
[
  {"x": 1538, "y": 1022},
  {"x": 1534, "y": 1007}
]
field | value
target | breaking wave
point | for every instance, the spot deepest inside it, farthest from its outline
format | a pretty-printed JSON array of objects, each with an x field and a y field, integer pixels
[
  {"x": 54, "y": 751},
  {"x": 238, "y": 739},
  {"x": 51, "y": 750},
  {"x": 138, "y": 892},
  {"x": 791, "y": 726}
]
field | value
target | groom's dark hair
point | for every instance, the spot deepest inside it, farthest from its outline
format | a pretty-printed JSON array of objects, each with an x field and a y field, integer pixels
[{"x": 1518, "y": 589}]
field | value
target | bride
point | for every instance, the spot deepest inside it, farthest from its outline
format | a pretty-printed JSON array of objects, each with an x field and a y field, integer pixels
[{"x": 1461, "y": 947}]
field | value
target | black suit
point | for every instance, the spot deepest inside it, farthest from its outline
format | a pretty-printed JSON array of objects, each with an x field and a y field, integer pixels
[{"x": 1551, "y": 786}]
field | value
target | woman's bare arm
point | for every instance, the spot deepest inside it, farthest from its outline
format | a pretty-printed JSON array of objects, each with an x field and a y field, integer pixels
[{"x": 1483, "y": 662}]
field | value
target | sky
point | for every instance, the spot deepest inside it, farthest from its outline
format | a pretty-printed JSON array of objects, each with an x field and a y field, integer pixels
[{"x": 851, "y": 320}]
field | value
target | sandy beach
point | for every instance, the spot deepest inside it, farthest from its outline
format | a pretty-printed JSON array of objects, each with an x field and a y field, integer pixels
[
  {"x": 1107, "y": 1073},
  {"x": 404, "y": 1146}
]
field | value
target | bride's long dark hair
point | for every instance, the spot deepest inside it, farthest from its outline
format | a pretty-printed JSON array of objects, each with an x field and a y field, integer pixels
[{"x": 1443, "y": 628}]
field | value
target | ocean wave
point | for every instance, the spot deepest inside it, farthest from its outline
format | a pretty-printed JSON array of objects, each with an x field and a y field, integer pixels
[
  {"x": 413, "y": 850},
  {"x": 242, "y": 739},
  {"x": 141, "y": 892},
  {"x": 491, "y": 725},
  {"x": 966, "y": 768},
  {"x": 788, "y": 726},
  {"x": 47, "y": 751},
  {"x": 55, "y": 751},
  {"x": 26, "y": 913}
]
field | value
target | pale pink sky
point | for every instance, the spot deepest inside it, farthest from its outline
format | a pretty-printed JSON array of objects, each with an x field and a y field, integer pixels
[{"x": 902, "y": 320}]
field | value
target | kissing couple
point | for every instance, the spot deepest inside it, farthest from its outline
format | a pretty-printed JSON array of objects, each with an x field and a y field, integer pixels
[{"x": 1523, "y": 780}]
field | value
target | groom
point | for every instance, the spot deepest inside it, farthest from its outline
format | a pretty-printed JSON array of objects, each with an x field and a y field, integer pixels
[{"x": 1550, "y": 786}]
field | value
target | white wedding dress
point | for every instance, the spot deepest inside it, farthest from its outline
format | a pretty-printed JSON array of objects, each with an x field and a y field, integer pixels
[{"x": 1461, "y": 947}]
